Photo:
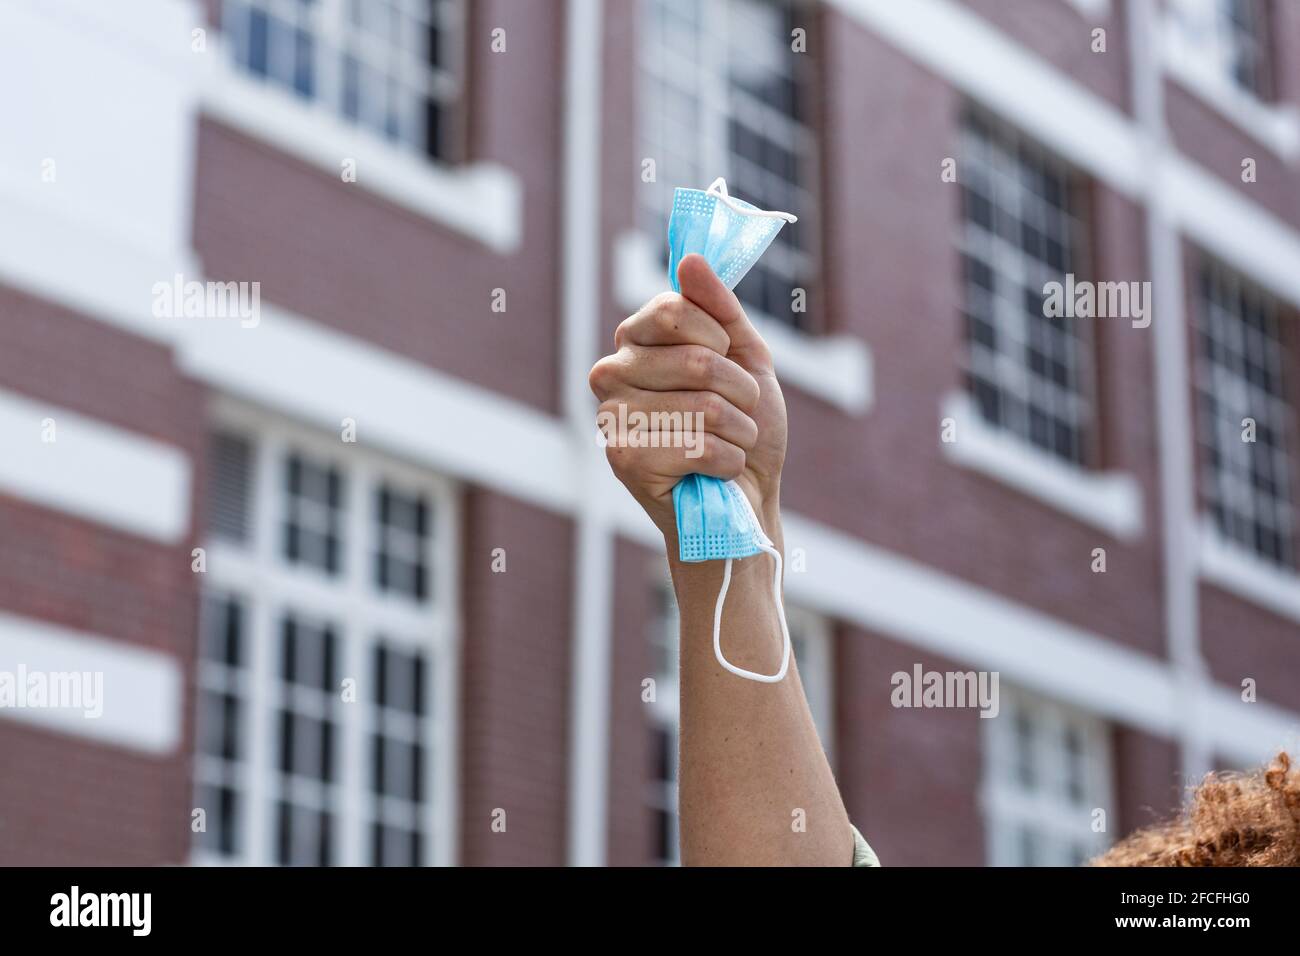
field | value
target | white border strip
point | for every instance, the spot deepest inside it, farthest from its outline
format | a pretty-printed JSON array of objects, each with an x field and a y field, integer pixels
[
  {"x": 1111, "y": 501},
  {"x": 593, "y": 580},
  {"x": 142, "y": 691},
  {"x": 93, "y": 469},
  {"x": 418, "y": 413},
  {"x": 1234, "y": 569}
]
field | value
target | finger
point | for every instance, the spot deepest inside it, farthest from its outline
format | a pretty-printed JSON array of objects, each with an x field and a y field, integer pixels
[
  {"x": 712, "y": 455},
  {"x": 701, "y": 286},
  {"x": 675, "y": 417},
  {"x": 669, "y": 319},
  {"x": 687, "y": 368}
]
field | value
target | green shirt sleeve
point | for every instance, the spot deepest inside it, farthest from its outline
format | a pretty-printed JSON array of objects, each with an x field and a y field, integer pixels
[{"x": 863, "y": 855}]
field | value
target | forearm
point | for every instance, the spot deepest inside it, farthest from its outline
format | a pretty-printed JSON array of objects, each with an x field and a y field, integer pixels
[{"x": 755, "y": 786}]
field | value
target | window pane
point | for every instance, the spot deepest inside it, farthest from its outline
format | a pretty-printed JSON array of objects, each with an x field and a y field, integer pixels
[
  {"x": 397, "y": 65},
  {"x": 1029, "y": 371},
  {"x": 1245, "y": 412}
]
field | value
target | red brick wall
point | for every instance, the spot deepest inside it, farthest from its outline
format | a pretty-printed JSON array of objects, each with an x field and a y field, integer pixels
[
  {"x": 1148, "y": 783},
  {"x": 515, "y": 666},
  {"x": 909, "y": 778},
  {"x": 1285, "y": 23},
  {"x": 630, "y": 758},
  {"x": 1219, "y": 145},
  {"x": 1062, "y": 35},
  {"x": 1241, "y": 639},
  {"x": 70, "y": 802},
  {"x": 76, "y": 801}
]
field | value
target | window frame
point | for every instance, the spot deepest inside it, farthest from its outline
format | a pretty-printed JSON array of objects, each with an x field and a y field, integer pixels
[
  {"x": 363, "y": 618},
  {"x": 1004, "y": 136},
  {"x": 715, "y": 98},
  {"x": 334, "y": 39},
  {"x": 1213, "y": 433},
  {"x": 1009, "y": 808},
  {"x": 1206, "y": 36}
]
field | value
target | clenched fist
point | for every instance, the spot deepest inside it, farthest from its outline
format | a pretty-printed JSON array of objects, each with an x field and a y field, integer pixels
[{"x": 695, "y": 353}]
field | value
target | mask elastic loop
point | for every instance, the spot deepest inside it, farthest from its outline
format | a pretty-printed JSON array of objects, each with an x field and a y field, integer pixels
[
  {"x": 780, "y": 612},
  {"x": 718, "y": 188}
]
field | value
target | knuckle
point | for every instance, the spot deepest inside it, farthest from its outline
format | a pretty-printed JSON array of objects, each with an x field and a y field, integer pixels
[
  {"x": 722, "y": 458},
  {"x": 602, "y": 376},
  {"x": 753, "y": 393},
  {"x": 699, "y": 363},
  {"x": 668, "y": 319},
  {"x": 663, "y": 300},
  {"x": 712, "y": 406},
  {"x": 619, "y": 459},
  {"x": 608, "y": 408},
  {"x": 622, "y": 331}
]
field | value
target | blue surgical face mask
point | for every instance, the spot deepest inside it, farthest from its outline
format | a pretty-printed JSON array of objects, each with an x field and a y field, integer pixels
[{"x": 715, "y": 521}]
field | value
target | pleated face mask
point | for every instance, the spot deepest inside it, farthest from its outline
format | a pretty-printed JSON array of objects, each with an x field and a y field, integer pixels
[{"x": 715, "y": 521}]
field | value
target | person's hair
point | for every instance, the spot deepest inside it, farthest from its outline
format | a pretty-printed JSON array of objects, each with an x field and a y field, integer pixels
[{"x": 1232, "y": 819}]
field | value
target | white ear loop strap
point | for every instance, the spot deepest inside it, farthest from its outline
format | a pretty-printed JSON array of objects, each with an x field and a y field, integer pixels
[
  {"x": 780, "y": 612},
  {"x": 719, "y": 188}
]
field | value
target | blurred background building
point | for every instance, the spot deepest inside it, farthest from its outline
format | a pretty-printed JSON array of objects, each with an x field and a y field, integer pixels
[{"x": 428, "y": 645}]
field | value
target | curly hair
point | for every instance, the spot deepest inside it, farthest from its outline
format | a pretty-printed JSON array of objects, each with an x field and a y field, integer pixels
[{"x": 1233, "y": 819}]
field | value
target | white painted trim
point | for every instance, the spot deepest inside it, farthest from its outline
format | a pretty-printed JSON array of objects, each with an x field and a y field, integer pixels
[
  {"x": 1172, "y": 403},
  {"x": 480, "y": 437},
  {"x": 1243, "y": 234},
  {"x": 142, "y": 688},
  {"x": 835, "y": 368},
  {"x": 1276, "y": 126},
  {"x": 93, "y": 469},
  {"x": 593, "y": 580},
  {"x": 1091, "y": 8},
  {"x": 1230, "y": 566},
  {"x": 1249, "y": 733},
  {"x": 1111, "y": 501},
  {"x": 482, "y": 200}
]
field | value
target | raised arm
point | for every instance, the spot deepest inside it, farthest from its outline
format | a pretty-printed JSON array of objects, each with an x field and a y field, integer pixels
[{"x": 755, "y": 787}]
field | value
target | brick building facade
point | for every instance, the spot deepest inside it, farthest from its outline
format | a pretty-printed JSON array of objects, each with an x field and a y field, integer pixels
[{"x": 448, "y": 208}]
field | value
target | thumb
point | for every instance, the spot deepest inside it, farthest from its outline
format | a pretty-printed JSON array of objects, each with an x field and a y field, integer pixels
[{"x": 701, "y": 286}]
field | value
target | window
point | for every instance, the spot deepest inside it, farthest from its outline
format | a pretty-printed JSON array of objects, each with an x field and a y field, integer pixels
[
  {"x": 811, "y": 646},
  {"x": 307, "y": 732},
  {"x": 1227, "y": 38},
  {"x": 325, "y": 685},
  {"x": 313, "y": 513},
  {"x": 725, "y": 94},
  {"x": 390, "y": 66},
  {"x": 1241, "y": 379},
  {"x": 397, "y": 747},
  {"x": 221, "y": 749},
  {"x": 230, "y": 469},
  {"x": 661, "y": 790},
  {"x": 401, "y": 542},
  {"x": 1047, "y": 769},
  {"x": 1022, "y": 227}
]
